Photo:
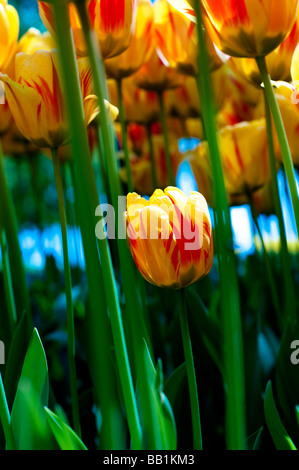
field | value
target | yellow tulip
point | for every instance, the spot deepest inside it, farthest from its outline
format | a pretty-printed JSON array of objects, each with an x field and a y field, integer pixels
[
  {"x": 170, "y": 237},
  {"x": 155, "y": 75},
  {"x": 287, "y": 98},
  {"x": 129, "y": 61},
  {"x": 141, "y": 106},
  {"x": 9, "y": 32},
  {"x": 201, "y": 169},
  {"x": 176, "y": 37},
  {"x": 112, "y": 22},
  {"x": 278, "y": 62},
  {"x": 245, "y": 159},
  {"x": 249, "y": 28},
  {"x": 36, "y": 99},
  {"x": 141, "y": 164}
]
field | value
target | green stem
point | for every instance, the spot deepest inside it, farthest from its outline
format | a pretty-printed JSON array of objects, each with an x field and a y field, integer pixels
[
  {"x": 152, "y": 157},
  {"x": 282, "y": 137},
  {"x": 171, "y": 178},
  {"x": 5, "y": 419},
  {"x": 9, "y": 223},
  {"x": 68, "y": 293},
  {"x": 127, "y": 267},
  {"x": 272, "y": 286},
  {"x": 290, "y": 298},
  {"x": 230, "y": 298},
  {"x": 9, "y": 295},
  {"x": 195, "y": 413},
  {"x": 90, "y": 196},
  {"x": 123, "y": 123}
]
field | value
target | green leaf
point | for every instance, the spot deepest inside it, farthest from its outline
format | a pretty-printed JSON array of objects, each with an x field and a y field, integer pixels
[
  {"x": 66, "y": 438},
  {"x": 156, "y": 414},
  {"x": 276, "y": 428},
  {"x": 28, "y": 418}
]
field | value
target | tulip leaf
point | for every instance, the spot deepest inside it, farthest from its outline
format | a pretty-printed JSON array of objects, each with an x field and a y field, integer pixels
[
  {"x": 16, "y": 354},
  {"x": 276, "y": 428},
  {"x": 66, "y": 438},
  {"x": 28, "y": 419},
  {"x": 156, "y": 414}
]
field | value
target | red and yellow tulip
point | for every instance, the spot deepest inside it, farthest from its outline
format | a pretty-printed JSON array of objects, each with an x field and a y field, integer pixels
[
  {"x": 278, "y": 62},
  {"x": 170, "y": 237},
  {"x": 249, "y": 28},
  {"x": 37, "y": 90},
  {"x": 176, "y": 37},
  {"x": 112, "y": 22},
  {"x": 129, "y": 61}
]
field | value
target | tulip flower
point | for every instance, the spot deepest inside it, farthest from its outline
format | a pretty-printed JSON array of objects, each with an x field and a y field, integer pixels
[
  {"x": 141, "y": 106},
  {"x": 287, "y": 98},
  {"x": 177, "y": 41},
  {"x": 129, "y": 61},
  {"x": 184, "y": 101},
  {"x": 170, "y": 237},
  {"x": 9, "y": 27},
  {"x": 155, "y": 75},
  {"x": 245, "y": 157},
  {"x": 37, "y": 90},
  {"x": 278, "y": 62},
  {"x": 249, "y": 28},
  {"x": 141, "y": 164},
  {"x": 112, "y": 22},
  {"x": 201, "y": 169}
]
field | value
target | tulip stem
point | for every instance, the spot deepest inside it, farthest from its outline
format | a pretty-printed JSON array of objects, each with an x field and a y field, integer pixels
[
  {"x": 5, "y": 419},
  {"x": 9, "y": 295},
  {"x": 122, "y": 118},
  {"x": 171, "y": 179},
  {"x": 124, "y": 369},
  {"x": 9, "y": 224},
  {"x": 68, "y": 293},
  {"x": 193, "y": 392},
  {"x": 152, "y": 157},
  {"x": 290, "y": 298},
  {"x": 233, "y": 355},
  {"x": 271, "y": 280},
  {"x": 282, "y": 137}
]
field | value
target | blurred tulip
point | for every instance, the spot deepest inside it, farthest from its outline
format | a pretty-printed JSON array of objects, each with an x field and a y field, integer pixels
[
  {"x": 14, "y": 144},
  {"x": 278, "y": 62},
  {"x": 263, "y": 200},
  {"x": 9, "y": 27},
  {"x": 170, "y": 237},
  {"x": 141, "y": 106},
  {"x": 184, "y": 101},
  {"x": 37, "y": 89},
  {"x": 245, "y": 157},
  {"x": 129, "y": 61},
  {"x": 249, "y": 28},
  {"x": 141, "y": 165},
  {"x": 155, "y": 75},
  {"x": 288, "y": 102},
  {"x": 201, "y": 170},
  {"x": 112, "y": 21},
  {"x": 31, "y": 41},
  {"x": 176, "y": 37}
]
